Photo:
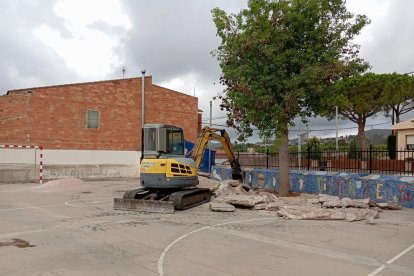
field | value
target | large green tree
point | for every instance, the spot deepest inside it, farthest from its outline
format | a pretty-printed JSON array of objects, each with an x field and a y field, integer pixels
[
  {"x": 358, "y": 98},
  {"x": 276, "y": 57},
  {"x": 399, "y": 95},
  {"x": 361, "y": 97}
]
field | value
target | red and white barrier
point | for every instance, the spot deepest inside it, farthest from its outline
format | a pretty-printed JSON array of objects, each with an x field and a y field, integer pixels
[{"x": 30, "y": 147}]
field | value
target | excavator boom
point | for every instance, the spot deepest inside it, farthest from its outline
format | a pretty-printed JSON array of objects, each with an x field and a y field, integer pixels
[{"x": 220, "y": 135}]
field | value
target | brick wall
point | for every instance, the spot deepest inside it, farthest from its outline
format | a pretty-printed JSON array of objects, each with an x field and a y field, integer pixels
[
  {"x": 55, "y": 116},
  {"x": 13, "y": 119}
]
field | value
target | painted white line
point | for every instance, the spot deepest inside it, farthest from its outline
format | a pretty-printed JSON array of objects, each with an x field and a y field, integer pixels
[
  {"x": 161, "y": 259},
  {"x": 33, "y": 207},
  {"x": 390, "y": 261},
  {"x": 394, "y": 221},
  {"x": 353, "y": 258},
  {"x": 74, "y": 203},
  {"x": 100, "y": 201}
]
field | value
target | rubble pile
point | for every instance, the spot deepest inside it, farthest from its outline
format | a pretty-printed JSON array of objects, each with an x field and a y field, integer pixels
[{"x": 230, "y": 194}]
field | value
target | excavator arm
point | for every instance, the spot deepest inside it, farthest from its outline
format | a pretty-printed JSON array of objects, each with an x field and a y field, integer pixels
[{"x": 215, "y": 134}]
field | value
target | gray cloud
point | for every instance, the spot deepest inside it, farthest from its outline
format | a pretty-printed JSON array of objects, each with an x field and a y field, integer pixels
[
  {"x": 25, "y": 61},
  {"x": 173, "y": 40},
  {"x": 387, "y": 41}
]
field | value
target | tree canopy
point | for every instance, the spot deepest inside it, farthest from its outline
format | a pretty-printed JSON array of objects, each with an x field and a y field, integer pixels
[
  {"x": 399, "y": 95},
  {"x": 277, "y": 57},
  {"x": 361, "y": 97},
  {"x": 358, "y": 98}
]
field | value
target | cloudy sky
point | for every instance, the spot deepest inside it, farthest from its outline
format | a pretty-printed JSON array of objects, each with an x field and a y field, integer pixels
[{"x": 47, "y": 42}]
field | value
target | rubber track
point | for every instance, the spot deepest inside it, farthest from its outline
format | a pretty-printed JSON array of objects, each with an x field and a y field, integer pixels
[{"x": 185, "y": 199}]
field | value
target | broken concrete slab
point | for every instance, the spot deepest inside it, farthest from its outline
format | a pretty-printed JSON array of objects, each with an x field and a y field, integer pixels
[
  {"x": 389, "y": 206},
  {"x": 260, "y": 206},
  {"x": 248, "y": 201},
  {"x": 221, "y": 207},
  {"x": 315, "y": 213},
  {"x": 234, "y": 183},
  {"x": 336, "y": 202},
  {"x": 355, "y": 214},
  {"x": 274, "y": 206},
  {"x": 226, "y": 188},
  {"x": 310, "y": 213},
  {"x": 333, "y": 204}
]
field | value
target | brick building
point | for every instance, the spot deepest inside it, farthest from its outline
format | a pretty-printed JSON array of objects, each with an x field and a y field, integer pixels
[
  {"x": 93, "y": 121},
  {"x": 94, "y": 115}
]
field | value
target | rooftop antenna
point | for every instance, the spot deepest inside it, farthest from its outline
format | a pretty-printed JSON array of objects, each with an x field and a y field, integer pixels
[{"x": 123, "y": 71}]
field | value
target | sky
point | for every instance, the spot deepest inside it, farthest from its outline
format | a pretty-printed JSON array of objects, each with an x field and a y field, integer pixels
[{"x": 50, "y": 42}]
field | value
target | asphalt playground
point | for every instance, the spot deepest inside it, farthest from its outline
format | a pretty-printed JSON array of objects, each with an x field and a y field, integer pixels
[{"x": 71, "y": 229}]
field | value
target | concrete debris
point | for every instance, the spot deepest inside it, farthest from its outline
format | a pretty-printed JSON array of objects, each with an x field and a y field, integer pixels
[
  {"x": 221, "y": 207},
  {"x": 234, "y": 183},
  {"x": 270, "y": 197},
  {"x": 274, "y": 206},
  {"x": 389, "y": 206},
  {"x": 260, "y": 206},
  {"x": 307, "y": 212},
  {"x": 205, "y": 182},
  {"x": 315, "y": 213},
  {"x": 355, "y": 214},
  {"x": 245, "y": 200},
  {"x": 227, "y": 189},
  {"x": 336, "y": 202},
  {"x": 303, "y": 206}
]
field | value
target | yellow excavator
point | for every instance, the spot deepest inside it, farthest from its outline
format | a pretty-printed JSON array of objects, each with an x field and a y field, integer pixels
[{"x": 169, "y": 178}]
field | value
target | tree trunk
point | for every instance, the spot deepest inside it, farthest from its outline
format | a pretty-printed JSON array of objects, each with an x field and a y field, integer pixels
[
  {"x": 361, "y": 136},
  {"x": 284, "y": 179},
  {"x": 397, "y": 117}
]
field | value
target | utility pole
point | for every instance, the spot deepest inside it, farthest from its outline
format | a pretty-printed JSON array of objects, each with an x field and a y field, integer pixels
[
  {"x": 209, "y": 141},
  {"x": 143, "y": 97},
  {"x": 336, "y": 123},
  {"x": 300, "y": 147},
  {"x": 142, "y": 111}
]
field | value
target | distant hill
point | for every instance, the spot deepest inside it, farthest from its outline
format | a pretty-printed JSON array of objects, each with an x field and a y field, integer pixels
[
  {"x": 377, "y": 136},
  {"x": 373, "y": 136}
]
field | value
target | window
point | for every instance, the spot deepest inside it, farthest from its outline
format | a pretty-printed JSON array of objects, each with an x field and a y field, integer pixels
[
  {"x": 92, "y": 119},
  {"x": 410, "y": 142},
  {"x": 175, "y": 141}
]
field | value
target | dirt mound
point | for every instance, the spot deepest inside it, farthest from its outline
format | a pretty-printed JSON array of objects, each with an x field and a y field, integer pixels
[{"x": 61, "y": 185}]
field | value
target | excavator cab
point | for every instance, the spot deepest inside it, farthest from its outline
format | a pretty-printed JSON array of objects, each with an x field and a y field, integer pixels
[
  {"x": 164, "y": 165},
  {"x": 163, "y": 141}
]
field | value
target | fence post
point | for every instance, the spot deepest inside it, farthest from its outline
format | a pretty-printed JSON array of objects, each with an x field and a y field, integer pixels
[
  {"x": 267, "y": 158},
  {"x": 308, "y": 158},
  {"x": 370, "y": 159}
]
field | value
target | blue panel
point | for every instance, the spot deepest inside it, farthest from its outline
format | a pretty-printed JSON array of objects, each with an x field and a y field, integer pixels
[
  {"x": 379, "y": 188},
  {"x": 204, "y": 162}
]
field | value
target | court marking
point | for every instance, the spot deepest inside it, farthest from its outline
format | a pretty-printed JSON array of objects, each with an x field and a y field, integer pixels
[
  {"x": 90, "y": 201},
  {"x": 390, "y": 261},
  {"x": 306, "y": 248}
]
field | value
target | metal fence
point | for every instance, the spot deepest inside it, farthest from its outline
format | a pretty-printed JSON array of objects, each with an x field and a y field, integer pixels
[{"x": 370, "y": 161}]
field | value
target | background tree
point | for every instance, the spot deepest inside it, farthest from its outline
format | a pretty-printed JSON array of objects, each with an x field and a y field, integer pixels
[
  {"x": 276, "y": 57},
  {"x": 314, "y": 148},
  {"x": 358, "y": 98},
  {"x": 399, "y": 95}
]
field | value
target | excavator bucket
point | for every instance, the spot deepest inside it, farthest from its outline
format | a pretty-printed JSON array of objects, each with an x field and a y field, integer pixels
[{"x": 141, "y": 205}]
